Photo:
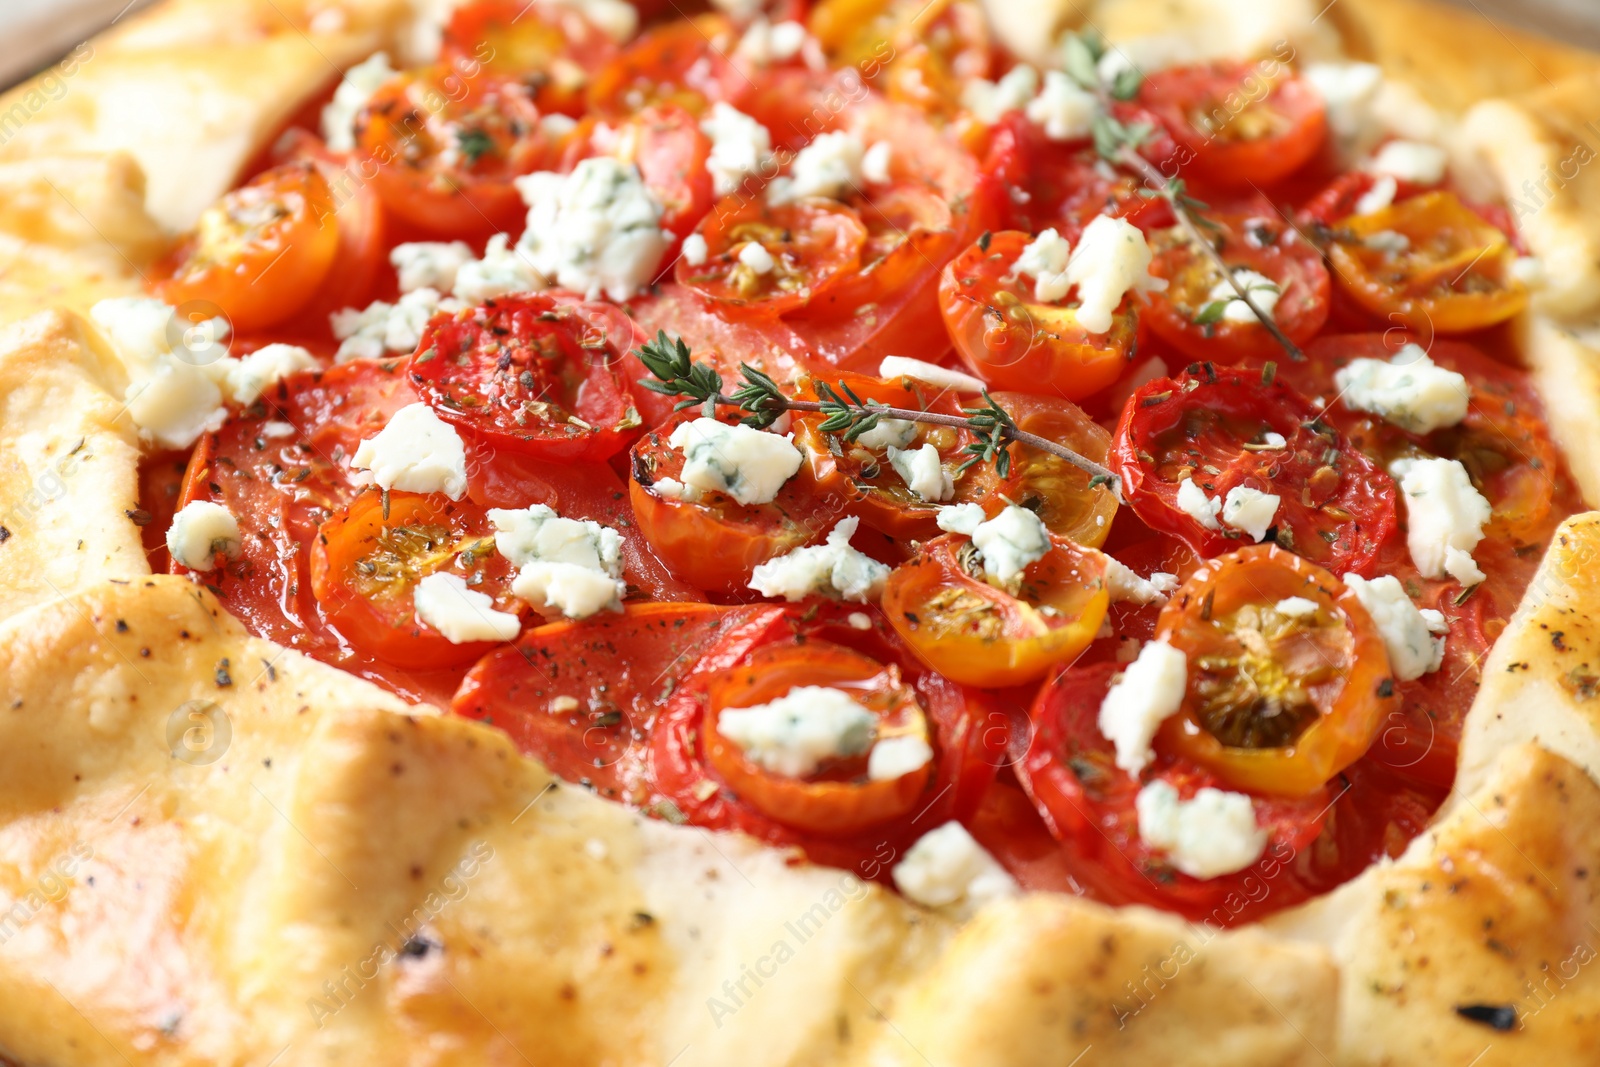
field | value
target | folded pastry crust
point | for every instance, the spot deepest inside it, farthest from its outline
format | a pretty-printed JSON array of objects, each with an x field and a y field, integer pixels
[{"x": 216, "y": 851}]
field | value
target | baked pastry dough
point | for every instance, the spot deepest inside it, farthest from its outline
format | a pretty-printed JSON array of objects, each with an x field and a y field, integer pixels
[{"x": 214, "y": 850}]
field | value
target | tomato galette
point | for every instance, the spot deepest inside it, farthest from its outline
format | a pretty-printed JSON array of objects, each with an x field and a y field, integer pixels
[{"x": 855, "y": 531}]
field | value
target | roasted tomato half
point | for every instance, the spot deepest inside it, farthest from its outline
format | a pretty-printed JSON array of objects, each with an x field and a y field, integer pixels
[
  {"x": 368, "y": 559},
  {"x": 762, "y": 261},
  {"x": 261, "y": 252},
  {"x": 532, "y": 375},
  {"x": 976, "y": 633},
  {"x": 1288, "y": 683},
  {"x": 1207, "y": 455},
  {"x": 1013, "y": 340},
  {"x": 1200, "y": 314},
  {"x": 1430, "y": 261}
]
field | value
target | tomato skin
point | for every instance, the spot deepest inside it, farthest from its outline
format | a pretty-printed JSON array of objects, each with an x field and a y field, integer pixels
[
  {"x": 261, "y": 252},
  {"x": 1268, "y": 248},
  {"x": 812, "y": 246},
  {"x": 1350, "y": 707},
  {"x": 1454, "y": 276},
  {"x": 1008, "y": 339},
  {"x": 1272, "y": 135},
  {"x": 975, "y": 634},
  {"x": 516, "y": 372},
  {"x": 1088, "y": 805},
  {"x": 715, "y": 543},
  {"x": 834, "y": 801},
  {"x": 615, "y": 667},
  {"x": 377, "y": 615},
  {"x": 444, "y": 149},
  {"x": 1336, "y": 508}
]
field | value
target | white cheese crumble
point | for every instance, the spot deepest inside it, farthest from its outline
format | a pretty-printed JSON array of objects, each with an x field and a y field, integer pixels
[
  {"x": 749, "y": 465},
  {"x": 1262, "y": 289},
  {"x": 1296, "y": 607},
  {"x": 765, "y": 43},
  {"x": 922, "y": 472},
  {"x": 673, "y": 489},
  {"x": 830, "y": 166},
  {"x": 888, "y": 433},
  {"x": 1445, "y": 515},
  {"x": 444, "y": 602},
  {"x": 430, "y": 264},
  {"x": 896, "y": 757},
  {"x": 1140, "y": 700},
  {"x": 172, "y": 396},
  {"x": 1410, "y": 161},
  {"x": 1044, "y": 259},
  {"x": 1192, "y": 501},
  {"x": 832, "y": 568},
  {"x": 961, "y": 518},
  {"x": 1213, "y": 834},
  {"x": 1127, "y": 587},
  {"x": 695, "y": 250},
  {"x": 919, "y": 370},
  {"x": 989, "y": 100},
  {"x": 1250, "y": 511},
  {"x": 1111, "y": 260},
  {"x": 875, "y": 163},
  {"x": 417, "y": 452},
  {"x": 739, "y": 147},
  {"x": 246, "y": 378},
  {"x": 595, "y": 231},
  {"x": 199, "y": 531},
  {"x": 1066, "y": 111},
  {"x": 1389, "y": 242},
  {"x": 503, "y": 269},
  {"x": 1409, "y": 390},
  {"x": 1528, "y": 270},
  {"x": 755, "y": 256},
  {"x": 1009, "y": 543},
  {"x": 360, "y": 82},
  {"x": 796, "y": 733},
  {"x": 946, "y": 867},
  {"x": 570, "y": 566},
  {"x": 1380, "y": 196},
  {"x": 1408, "y": 633},
  {"x": 382, "y": 327},
  {"x": 1348, "y": 91}
]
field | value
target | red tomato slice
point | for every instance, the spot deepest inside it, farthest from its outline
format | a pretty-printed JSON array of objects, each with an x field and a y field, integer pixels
[
  {"x": 762, "y": 261},
  {"x": 581, "y": 696},
  {"x": 530, "y": 374},
  {"x": 714, "y": 543},
  {"x": 1237, "y": 123},
  {"x": 1187, "y": 315},
  {"x": 1088, "y": 804},
  {"x": 1011, "y": 340},
  {"x": 443, "y": 149},
  {"x": 1210, "y": 426},
  {"x": 367, "y": 560},
  {"x": 965, "y": 757}
]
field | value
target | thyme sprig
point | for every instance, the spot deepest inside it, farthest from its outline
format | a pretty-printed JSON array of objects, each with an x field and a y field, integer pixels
[
  {"x": 1119, "y": 143},
  {"x": 846, "y": 414}
]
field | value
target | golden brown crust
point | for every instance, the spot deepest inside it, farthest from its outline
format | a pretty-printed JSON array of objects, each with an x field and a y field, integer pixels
[{"x": 68, "y": 464}]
